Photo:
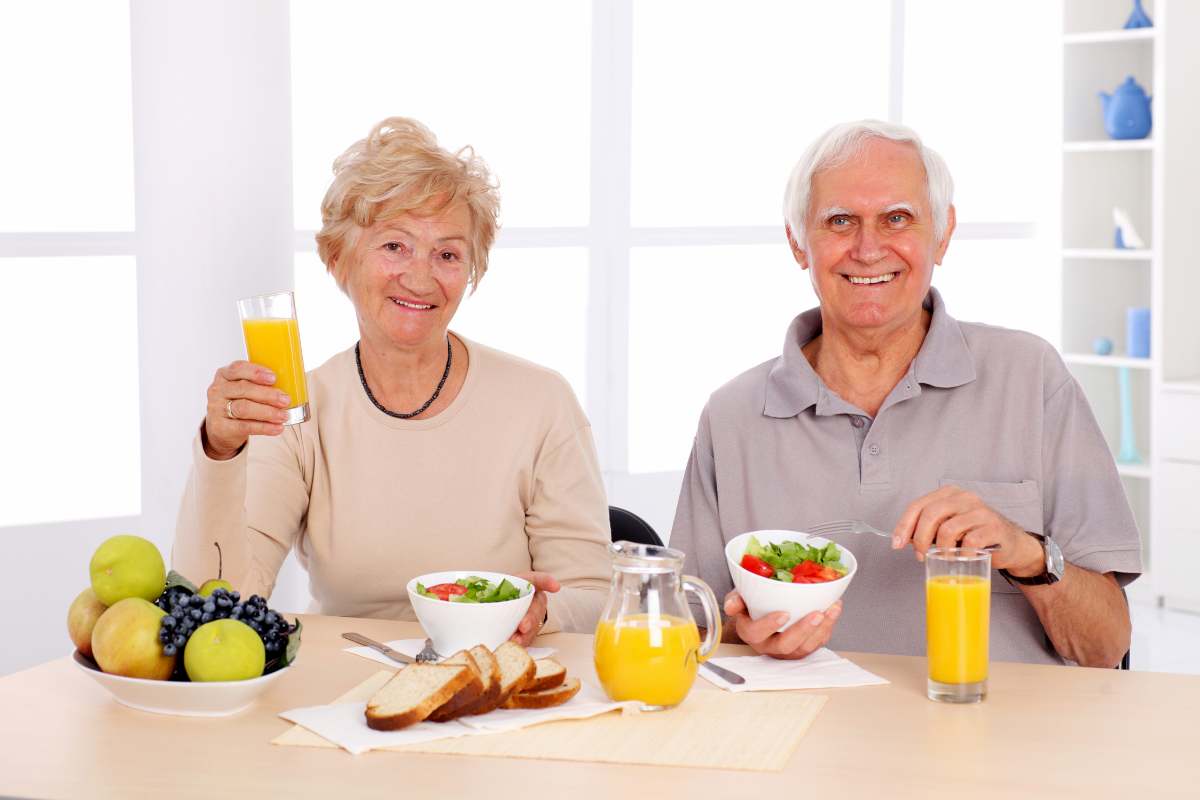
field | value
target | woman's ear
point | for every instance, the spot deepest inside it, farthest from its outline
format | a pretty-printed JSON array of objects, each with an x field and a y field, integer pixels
[{"x": 798, "y": 254}]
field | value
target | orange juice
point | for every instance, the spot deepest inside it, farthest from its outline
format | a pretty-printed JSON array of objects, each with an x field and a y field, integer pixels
[
  {"x": 652, "y": 659},
  {"x": 275, "y": 344},
  {"x": 956, "y": 621}
]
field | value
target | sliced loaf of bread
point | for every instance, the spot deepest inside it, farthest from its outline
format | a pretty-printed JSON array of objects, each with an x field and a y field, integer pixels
[{"x": 414, "y": 693}]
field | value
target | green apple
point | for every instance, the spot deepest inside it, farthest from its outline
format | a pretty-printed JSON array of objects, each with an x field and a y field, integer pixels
[
  {"x": 85, "y": 610},
  {"x": 224, "y": 650},
  {"x": 212, "y": 585},
  {"x": 127, "y": 566},
  {"x": 125, "y": 641}
]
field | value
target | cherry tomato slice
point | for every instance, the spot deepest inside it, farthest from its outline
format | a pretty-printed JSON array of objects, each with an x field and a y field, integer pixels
[
  {"x": 444, "y": 590},
  {"x": 806, "y": 569},
  {"x": 757, "y": 566}
]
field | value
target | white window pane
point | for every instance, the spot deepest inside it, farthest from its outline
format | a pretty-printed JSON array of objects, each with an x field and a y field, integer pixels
[
  {"x": 980, "y": 86},
  {"x": 511, "y": 80},
  {"x": 726, "y": 96},
  {"x": 698, "y": 316},
  {"x": 69, "y": 417},
  {"x": 531, "y": 303},
  {"x": 66, "y": 139},
  {"x": 1005, "y": 282},
  {"x": 327, "y": 322}
]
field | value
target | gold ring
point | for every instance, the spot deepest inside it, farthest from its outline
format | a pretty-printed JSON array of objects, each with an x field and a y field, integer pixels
[{"x": 229, "y": 410}]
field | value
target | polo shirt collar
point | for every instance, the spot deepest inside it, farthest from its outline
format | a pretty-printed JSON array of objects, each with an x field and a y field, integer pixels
[{"x": 944, "y": 360}]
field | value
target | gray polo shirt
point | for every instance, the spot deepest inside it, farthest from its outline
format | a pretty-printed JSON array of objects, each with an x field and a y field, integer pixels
[{"x": 991, "y": 410}]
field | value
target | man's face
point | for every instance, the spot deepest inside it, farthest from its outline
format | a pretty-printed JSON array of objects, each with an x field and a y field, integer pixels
[{"x": 870, "y": 241}]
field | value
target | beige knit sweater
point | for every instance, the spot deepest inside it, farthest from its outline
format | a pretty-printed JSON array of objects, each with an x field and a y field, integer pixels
[{"x": 504, "y": 479}]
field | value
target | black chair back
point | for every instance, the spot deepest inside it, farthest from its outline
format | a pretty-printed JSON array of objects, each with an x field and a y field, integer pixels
[{"x": 629, "y": 527}]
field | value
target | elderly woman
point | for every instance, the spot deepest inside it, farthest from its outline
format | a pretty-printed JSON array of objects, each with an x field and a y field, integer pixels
[
  {"x": 424, "y": 451},
  {"x": 884, "y": 408}
]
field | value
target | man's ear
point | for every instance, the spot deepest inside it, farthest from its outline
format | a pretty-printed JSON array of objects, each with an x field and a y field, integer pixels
[
  {"x": 798, "y": 254},
  {"x": 945, "y": 242}
]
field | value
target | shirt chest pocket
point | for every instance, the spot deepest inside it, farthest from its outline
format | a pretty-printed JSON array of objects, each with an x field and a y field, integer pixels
[{"x": 1020, "y": 502}]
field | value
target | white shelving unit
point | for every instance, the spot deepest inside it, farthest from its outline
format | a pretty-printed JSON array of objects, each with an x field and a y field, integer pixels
[{"x": 1153, "y": 180}]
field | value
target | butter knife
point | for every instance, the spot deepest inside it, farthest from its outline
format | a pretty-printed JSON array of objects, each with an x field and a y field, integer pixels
[
  {"x": 721, "y": 672},
  {"x": 394, "y": 655}
]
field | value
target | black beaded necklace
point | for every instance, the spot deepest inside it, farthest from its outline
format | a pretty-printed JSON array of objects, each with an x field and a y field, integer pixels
[{"x": 428, "y": 403}]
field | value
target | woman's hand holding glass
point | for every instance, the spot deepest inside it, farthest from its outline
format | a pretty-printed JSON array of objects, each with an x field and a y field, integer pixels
[{"x": 242, "y": 402}]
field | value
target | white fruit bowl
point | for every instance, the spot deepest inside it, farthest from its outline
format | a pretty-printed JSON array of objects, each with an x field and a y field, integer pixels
[
  {"x": 181, "y": 698},
  {"x": 461, "y": 626},
  {"x": 765, "y": 596}
]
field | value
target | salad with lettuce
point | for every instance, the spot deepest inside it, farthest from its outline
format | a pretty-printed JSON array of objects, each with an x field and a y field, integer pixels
[
  {"x": 792, "y": 562},
  {"x": 473, "y": 589}
]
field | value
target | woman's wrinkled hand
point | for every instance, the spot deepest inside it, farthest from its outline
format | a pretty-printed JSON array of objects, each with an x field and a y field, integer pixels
[
  {"x": 242, "y": 402},
  {"x": 799, "y": 640},
  {"x": 531, "y": 624}
]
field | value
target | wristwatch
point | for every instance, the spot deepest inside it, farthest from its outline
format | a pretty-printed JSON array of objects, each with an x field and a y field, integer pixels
[{"x": 1055, "y": 565}]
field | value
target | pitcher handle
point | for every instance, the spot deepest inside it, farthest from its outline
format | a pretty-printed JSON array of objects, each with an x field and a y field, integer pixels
[{"x": 712, "y": 614}]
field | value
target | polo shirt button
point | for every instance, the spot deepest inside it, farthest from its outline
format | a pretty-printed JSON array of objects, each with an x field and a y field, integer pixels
[
  {"x": 857, "y": 422},
  {"x": 873, "y": 449}
]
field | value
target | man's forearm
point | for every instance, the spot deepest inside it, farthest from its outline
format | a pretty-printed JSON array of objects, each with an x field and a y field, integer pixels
[{"x": 1085, "y": 616}]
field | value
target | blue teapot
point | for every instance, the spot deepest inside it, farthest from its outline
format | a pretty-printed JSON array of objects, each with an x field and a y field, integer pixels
[{"x": 1127, "y": 111}]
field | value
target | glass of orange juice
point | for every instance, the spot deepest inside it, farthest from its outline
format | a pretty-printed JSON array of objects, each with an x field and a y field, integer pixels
[
  {"x": 273, "y": 341},
  {"x": 647, "y": 645},
  {"x": 958, "y": 596}
]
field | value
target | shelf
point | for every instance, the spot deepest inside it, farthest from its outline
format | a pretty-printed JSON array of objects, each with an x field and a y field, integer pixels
[
  {"x": 1134, "y": 470},
  {"x": 1106, "y": 361},
  {"x": 1110, "y": 254},
  {"x": 1104, "y": 37},
  {"x": 1108, "y": 145}
]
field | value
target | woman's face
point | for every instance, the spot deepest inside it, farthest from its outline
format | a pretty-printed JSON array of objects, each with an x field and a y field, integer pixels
[
  {"x": 408, "y": 274},
  {"x": 870, "y": 241}
]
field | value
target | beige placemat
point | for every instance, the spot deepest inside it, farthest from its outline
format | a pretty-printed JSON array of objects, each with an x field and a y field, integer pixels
[{"x": 747, "y": 731}]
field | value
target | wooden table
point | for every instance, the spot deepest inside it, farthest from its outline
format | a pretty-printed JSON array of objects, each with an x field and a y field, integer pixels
[{"x": 1043, "y": 732}]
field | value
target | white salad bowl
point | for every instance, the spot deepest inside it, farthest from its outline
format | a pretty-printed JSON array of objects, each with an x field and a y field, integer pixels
[
  {"x": 765, "y": 596},
  {"x": 461, "y": 626},
  {"x": 181, "y": 698}
]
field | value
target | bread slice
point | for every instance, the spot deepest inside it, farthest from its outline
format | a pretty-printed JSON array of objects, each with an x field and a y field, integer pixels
[
  {"x": 545, "y": 698},
  {"x": 550, "y": 674},
  {"x": 467, "y": 695},
  {"x": 489, "y": 670},
  {"x": 413, "y": 693},
  {"x": 516, "y": 671}
]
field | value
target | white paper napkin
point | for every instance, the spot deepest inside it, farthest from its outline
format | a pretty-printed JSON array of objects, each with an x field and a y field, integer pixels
[
  {"x": 345, "y": 724},
  {"x": 823, "y": 669},
  {"x": 410, "y": 647}
]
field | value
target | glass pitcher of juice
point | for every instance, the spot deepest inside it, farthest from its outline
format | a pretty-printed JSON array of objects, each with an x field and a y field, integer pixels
[{"x": 647, "y": 645}]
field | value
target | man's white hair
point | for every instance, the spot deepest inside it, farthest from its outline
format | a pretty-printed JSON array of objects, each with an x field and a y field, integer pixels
[{"x": 843, "y": 142}]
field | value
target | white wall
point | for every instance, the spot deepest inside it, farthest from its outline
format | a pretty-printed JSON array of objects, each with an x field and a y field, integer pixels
[{"x": 214, "y": 223}]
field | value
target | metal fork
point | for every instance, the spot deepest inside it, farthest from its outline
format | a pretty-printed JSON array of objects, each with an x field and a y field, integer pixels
[
  {"x": 427, "y": 655},
  {"x": 837, "y": 527}
]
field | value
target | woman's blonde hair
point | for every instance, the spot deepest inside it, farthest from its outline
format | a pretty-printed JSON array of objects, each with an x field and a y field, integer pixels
[{"x": 400, "y": 168}]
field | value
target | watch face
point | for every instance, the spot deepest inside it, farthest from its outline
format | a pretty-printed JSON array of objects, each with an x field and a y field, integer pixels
[{"x": 1055, "y": 564}]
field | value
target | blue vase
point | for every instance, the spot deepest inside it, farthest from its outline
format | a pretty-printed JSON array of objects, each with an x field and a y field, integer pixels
[
  {"x": 1127, "y": 111},
  {"x": 1137, "y": 17}
]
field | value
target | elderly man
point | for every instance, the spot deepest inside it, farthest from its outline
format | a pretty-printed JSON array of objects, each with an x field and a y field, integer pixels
[{"x": 884, "y": 408}]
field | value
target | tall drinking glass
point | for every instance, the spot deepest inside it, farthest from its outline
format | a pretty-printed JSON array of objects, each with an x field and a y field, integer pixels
[
  {"x": 273, "y": 341},
  {"x": 958, "y": 595}
]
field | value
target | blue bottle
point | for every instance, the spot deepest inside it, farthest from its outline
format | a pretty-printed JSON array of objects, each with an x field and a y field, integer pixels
[
  {"x": 1127, "y": 111},
  {"x": 1137, "y": 17}
]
